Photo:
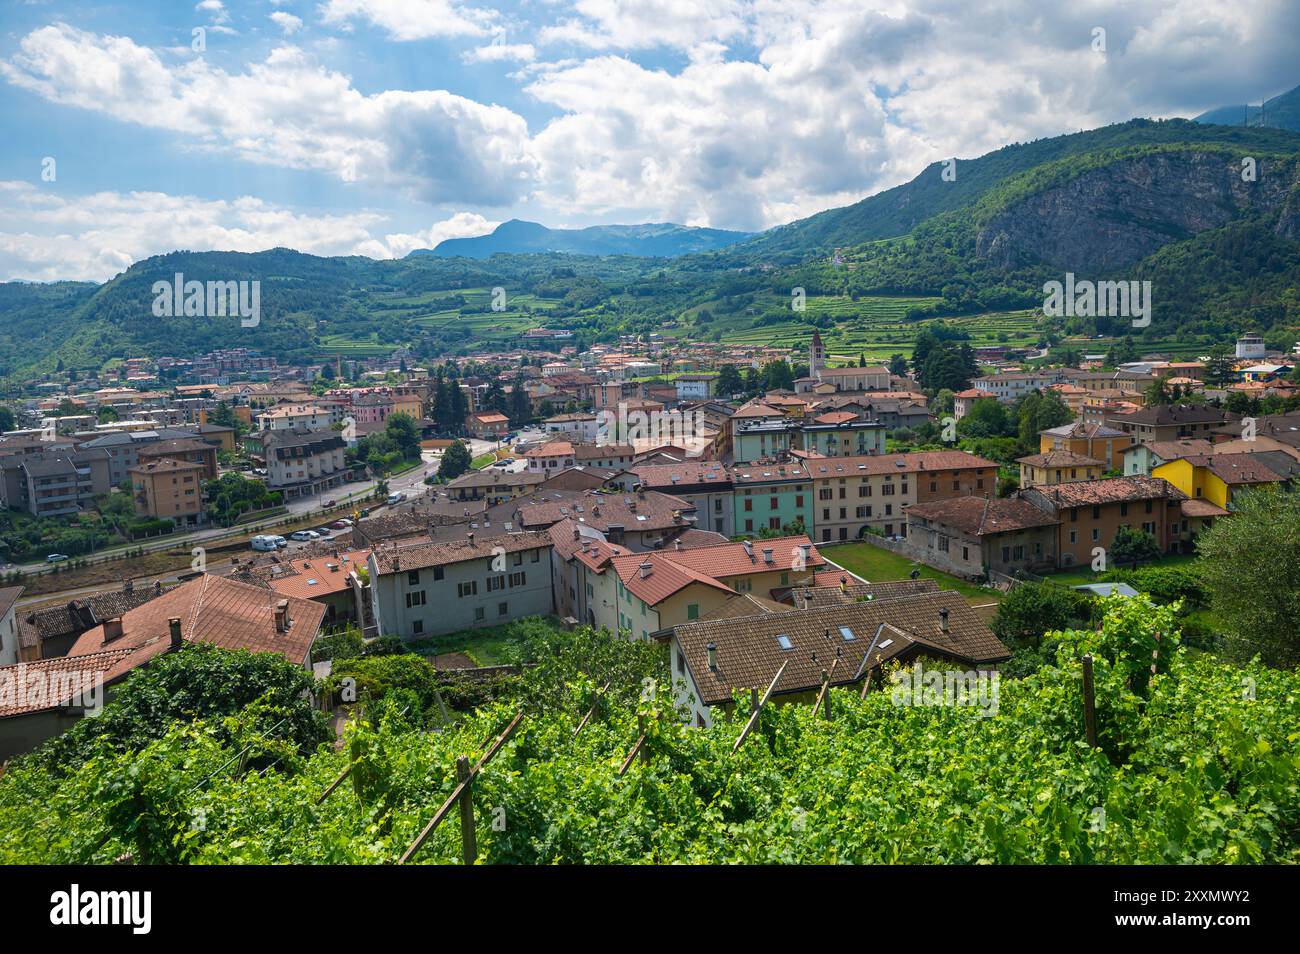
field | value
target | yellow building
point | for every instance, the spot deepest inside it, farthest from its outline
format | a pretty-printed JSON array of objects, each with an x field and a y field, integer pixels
[
  {"x": 1058, "y": 467},
  {"x": 1217, "y": 477},
  {"x": 1087, "y": 440}
]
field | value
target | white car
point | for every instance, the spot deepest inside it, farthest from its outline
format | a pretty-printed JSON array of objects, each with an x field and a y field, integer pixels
[
  {"x": 304, "y": 535},
  {"x": 396, "y": 498}
]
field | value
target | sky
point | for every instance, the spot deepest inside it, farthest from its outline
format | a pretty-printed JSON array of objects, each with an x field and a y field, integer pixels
[{"x": 375, "y": 127}]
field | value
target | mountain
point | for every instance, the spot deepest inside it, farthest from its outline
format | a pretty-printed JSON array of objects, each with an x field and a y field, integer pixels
[
  {"x": 662, "y": 240},
  {"x": 899, "y": 210},
  {"x": 1280, "y": 112},
  {"x": 1160, "y": 201}
]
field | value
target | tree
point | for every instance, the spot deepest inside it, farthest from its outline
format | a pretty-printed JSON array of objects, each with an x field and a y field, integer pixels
[
  {"x": 455, "y": 461},
  {"x": 777, "y": 375},
  {"x": 1132, "y": 546},
  {"x": 520, "y": 406},
  {"x": 987, "y": 417},
  {"x": 6, "y": 419},
  {"x": 1218, "y": 369},
  {"x": 897, "y": 365},
  {"x": 402, "y": 430},
  {"x": 728, "y": 382},
  {"x": 327, "y": 371},
  {"x": 1250, "y": 564},
  {"x": 1031, "y": 609}
]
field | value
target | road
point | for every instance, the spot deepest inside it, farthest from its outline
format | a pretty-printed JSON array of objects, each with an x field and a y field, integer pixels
[{"x": 410, "y": 483}]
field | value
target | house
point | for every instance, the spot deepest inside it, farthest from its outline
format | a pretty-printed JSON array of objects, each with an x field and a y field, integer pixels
[
  {"x": 1171, "y": 422},
  {"x": 579, "y": 427},
  {"x": 963, "y": 401},
  {"x": 320, "y": 577},
  {"x": 487, "y": 425},
  {"x": 771, "y": 497},
  {"x": 1058, "y": 466},
  {"x": 493, "y": 485},
  {"x": 167, "y": 489},
  {"x": 705, "y": 485},
  {"x": 828, "y": 592},
  {"x": 1142, "y": 459},
  {"x": 209, "y": 609},
  {"x": 1096, "y": 441},
  {"x": 9, "y": 645},
  {"x": 641, "y": 594},
  {"x": 976, "y": 536},
  {"x": 551, "y": 457},
  {"x": 1217, "y": 478},
  {"x": 712, "y": 659},
  {"x": 637, "y": 521},
  {"x": 425, "y": 589},
  {"x": 50, "y": 632},
  {"x": 1089, "y": 512}
]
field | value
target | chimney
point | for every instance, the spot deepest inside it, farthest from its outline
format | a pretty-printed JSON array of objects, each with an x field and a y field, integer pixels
[
  {"x": 471, "y": 536},
  {"x": 767, "y": 555},
  {"x": 844, "y": 584},
  {"x": 174, "y": 628},
  {"x": 807, "y": 551},
  {"x": 712, "y": 649},
  {"x": 749, "y": 550},
  {"x": 943, "y": 620},
  {"x": 282, "y": 616},
  {"x": 645, "y": 569},
  {"x": 577, "y": 533},
  {"x": 677, "y": 544},
  {"x": 157, "y": 587},
  {"x": 112, "y": 629},
  {"x": 128, "y": 586}
]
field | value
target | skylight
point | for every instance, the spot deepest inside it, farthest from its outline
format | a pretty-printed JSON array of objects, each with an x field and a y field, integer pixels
[
  {"x": 847, "y": 634},
  {"x": 784, "y": 642}
]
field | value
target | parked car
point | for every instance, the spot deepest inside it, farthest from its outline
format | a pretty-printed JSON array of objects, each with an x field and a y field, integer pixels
[
  {"x": 280, "y": 542},
  {"x": 396, "y": 497},
  {"x": 304, "y": 535},
  {"x": 264, "y": 544},
  {"x": 341, "y": 524},
  {"x": 330, "y": 503},
  {"x": 501, "y": 463},
  {"x": 56, "y": 558}
]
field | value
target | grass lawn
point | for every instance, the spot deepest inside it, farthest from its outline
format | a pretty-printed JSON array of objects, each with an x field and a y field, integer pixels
[
  {"x": 876, "y": 564},
  {"x": 483, "y": 460},
  {"x": 1084, "y": 574},
  {"x": 487, "y": 646}
]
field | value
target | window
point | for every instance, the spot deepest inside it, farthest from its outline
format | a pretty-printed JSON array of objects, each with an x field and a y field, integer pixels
[
  {"x": 693, "y": 611},
  {"x": 518, "y": 579},
  {"x": 417, "y": 627},
  {"x": 825, "y": 494},
  {"x": 784, "y": 642},
  {"x": 965, "y": 553},
  {"x": 774, "y": 523},
  {"x": 503, "y": 609},
  {"x": 478, "y": 614},
  {"x": 1074, "y": 536},
  {"x": 943, "y": 544},
  {"x": 415, "y": 599},
  {"x": 749, "y": 526},
  {"x": 1096, "y": 534},
  {"x": 495, "y": 583},
  {"x": 535, "y": 555},
  {"x": 467, "y": 589},
  {"x": 437, "y": 573},
  {"x": 749, "y": 505},
  {"x": 413, "y": 577},
  {"x": 681, "y": 660},
  {"x": 1123, "y": 510},
  {"x": 519, "y": 559},
  {"x": 798, "y": 501},
  {"x": 775, "y": 503}
]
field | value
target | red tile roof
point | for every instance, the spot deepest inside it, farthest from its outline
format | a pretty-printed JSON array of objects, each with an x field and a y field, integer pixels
[
  {"x": 49, "y": 683},
  {"x": 213, "y": 610}
]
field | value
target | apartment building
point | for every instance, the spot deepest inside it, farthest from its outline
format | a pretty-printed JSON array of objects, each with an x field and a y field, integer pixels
[
  {"x": 771, "y": 497},
  {"x": 290, "y": 417},
  {"x": 168, "y": 489},
  {"x": 188, "y": 451},
  {"x": 1172, "y": 422},
  {"x": 706, "y": 485},
  {"x": 426, "y": 589},
  {"x": 303, "y": 462},
  {"x": 54, "y": 485}
]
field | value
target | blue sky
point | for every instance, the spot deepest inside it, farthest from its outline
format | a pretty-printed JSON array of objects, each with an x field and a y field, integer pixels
[{"x": 377, "y": 126}]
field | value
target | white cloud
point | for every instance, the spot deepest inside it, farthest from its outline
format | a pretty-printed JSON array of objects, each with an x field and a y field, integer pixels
[
  {"x": 637, "y": 24},
  {"x": 287, "y": 22},
  {"x": 398, "y": 244},
  {"x": 94, "y": 237},
  {"x": 410, "y": 19},
  {"x": 498, "y": 52},
  {"x": 289, "y": 111}
]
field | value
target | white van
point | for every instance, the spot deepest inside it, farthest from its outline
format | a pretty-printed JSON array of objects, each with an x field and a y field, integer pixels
[
  {"x": 264, "y": 544},
  {"x": 396, "y": 498}
]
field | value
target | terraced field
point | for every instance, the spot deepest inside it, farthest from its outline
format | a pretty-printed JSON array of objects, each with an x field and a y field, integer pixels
[{"x": 874, "y": 327}]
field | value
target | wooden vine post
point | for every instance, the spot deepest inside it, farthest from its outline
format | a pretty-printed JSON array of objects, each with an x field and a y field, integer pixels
[
  {"x": 468, "y": 841},
  {"x": 758, "y": 709},
  {"x": 461, "y": 793},
  {"x": 824, "y": 697},
  {"x": 1089, "y": 703}
]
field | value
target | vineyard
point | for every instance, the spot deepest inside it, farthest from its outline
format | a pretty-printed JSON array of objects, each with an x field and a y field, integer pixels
[{"x": 1197, "y": 764}]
